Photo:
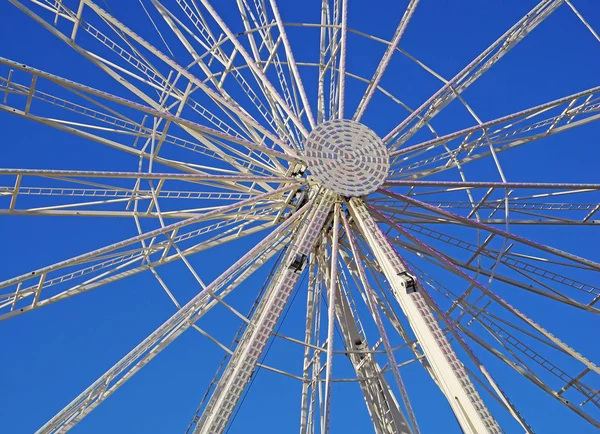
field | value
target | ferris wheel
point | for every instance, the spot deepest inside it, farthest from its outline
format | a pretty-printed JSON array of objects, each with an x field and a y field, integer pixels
[{"x": 255, "y": 166}]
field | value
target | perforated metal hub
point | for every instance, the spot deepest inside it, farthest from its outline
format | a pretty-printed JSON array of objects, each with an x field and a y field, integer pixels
[{"x": 347, "y": 157}]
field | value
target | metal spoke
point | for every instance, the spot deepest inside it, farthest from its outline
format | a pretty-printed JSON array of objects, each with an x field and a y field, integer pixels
[
  {"x": 470, "y": 73},
  {"x": 292, "y": 64},
  {"x": 164, "y": 335},
  {"x": 272, "y": 92},
  {"x": 493, "y": 296},
  {"x": 385, "y": 60},
  {"x": 182, "y": 72},
  {"x": 46, "y": 276},
  {"x": 204, "y": 134},
  {"x": 498, "y": 135},
  {"x": 494, "y": 230},
  {"x": 469, "y": 409}
]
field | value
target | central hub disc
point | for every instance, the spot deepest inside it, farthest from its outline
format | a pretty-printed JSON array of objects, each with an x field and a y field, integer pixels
[{"x": 347, "y": 157}]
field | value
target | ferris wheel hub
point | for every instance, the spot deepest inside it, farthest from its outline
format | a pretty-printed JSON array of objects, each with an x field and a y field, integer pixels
[{"x": 347, "y": 157}]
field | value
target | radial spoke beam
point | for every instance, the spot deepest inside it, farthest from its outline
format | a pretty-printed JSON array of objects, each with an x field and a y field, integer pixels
[
  {"x": 559, "y": 344},
  {"x": 293, "y": 66},
  {"x": 342, "y": 68},
  {"x": 124, "y": 32},
  {"x": 385, "y": 60},
  {"x": 500, "y": 134},
  {"x": 256, "y": 70},
  {"x": 39, "y": 279},
  {"x": 103, "y": 122},
  {"x": 243, "y": 362},
  {"x": 457, "y": 85},
  {"x": 448, "y": 371},
  {"x": 164, "y": 335},
  {"x": 491, "y": 229},
  {"x": 460, "y": 185},
  {"x": 112, "y": 268}
]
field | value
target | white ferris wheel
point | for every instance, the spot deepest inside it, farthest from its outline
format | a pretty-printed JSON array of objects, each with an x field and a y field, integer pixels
[{"x": 253, "y": 163}]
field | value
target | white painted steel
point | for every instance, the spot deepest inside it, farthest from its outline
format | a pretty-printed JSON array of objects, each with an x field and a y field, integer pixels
[
  {"x": 252, "y": 344},
  {"x": 208, "y": 172},
  {"x": 448, "y": 370}
]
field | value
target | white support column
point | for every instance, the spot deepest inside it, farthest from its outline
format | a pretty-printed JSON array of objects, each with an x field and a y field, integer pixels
[
  {"x": 386, "y": 415},
  {"x": 245, "y": 358},
  {"x": 331, "y": 305},
  {"x": 449, "y": 373}
]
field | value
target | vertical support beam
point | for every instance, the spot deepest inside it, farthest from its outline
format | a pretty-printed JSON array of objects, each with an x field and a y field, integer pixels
[
  {"x": 449, "y": 373},
  {"x": 308, "y": 339},
  {"x": 386, "y": 416},
  {"x": 252, "y": 344},
  {"x": 331, "y": 302},
  {"x": 342, "y": 82},
  {"x": 372, "y": 305}
]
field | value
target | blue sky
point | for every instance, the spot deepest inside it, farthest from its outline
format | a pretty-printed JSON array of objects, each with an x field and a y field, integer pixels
[{"x": 52, "y": 354}]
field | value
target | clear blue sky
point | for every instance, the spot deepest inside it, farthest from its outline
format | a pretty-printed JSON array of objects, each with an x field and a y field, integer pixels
[{"x": 49, "y": 356}]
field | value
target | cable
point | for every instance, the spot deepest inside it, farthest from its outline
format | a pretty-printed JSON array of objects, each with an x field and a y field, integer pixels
[
  {"x": 236, "y": 338},
  {"x": 254, "y": 375}
]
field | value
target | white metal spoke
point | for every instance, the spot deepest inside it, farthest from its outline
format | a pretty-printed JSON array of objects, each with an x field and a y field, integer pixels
[
  {"x": 385, "y": 60},
  {"x": 97, "y": 262},
  {"x": 163, "y": 336},
  {"x": 322, "y": 54},
  {"x": 493, "y": 296},
  {"x": 498, "y": 135},
  {"x": 217, "y": 52},
  {"x": 494, "y": 230},
  {"x": 342, "y": 73},
  {"x": 292, "y": 63},
  {"x": 506, "y": 333},
  {"x": 449, "y": 372},
  {"x": 102, "y": 120},
  {"x": 523, "y": 264},
  {"x": 410, "y": 247},
  {"x": 500, "y": 333},
  {"x": 470, "y": 73},
  {"x": 158, "y": 54},
  {"x": 83, "y": 193},
  {"x": 272, "y": 59},
  {"x": 272, "y": 92},
  {"x": 244, "y": 360}
]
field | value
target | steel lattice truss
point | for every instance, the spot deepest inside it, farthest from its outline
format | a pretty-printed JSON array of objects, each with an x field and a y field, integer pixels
[{"x": 218, "y": 114}]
